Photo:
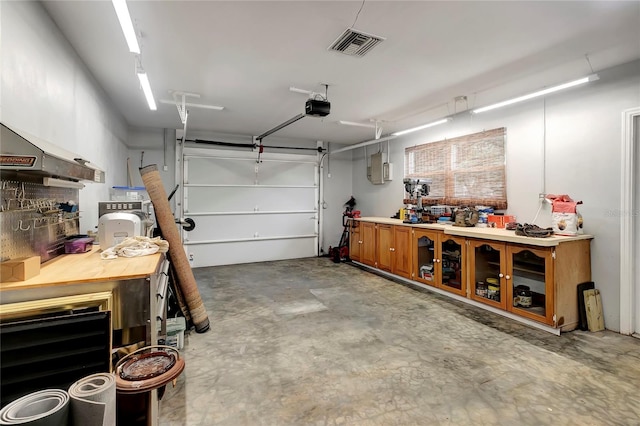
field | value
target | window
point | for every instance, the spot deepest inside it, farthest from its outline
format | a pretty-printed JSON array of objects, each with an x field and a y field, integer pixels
[{"x": 468, "y": 170}]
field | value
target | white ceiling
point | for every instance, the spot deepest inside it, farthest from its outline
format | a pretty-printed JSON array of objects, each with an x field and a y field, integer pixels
[{"x": 244, "y": 55}]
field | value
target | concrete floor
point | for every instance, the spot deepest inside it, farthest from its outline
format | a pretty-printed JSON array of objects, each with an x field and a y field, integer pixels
[{"x": 310, "y": 342}]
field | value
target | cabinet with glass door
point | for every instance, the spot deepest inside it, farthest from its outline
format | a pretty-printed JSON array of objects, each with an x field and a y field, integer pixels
[
  {"x": 487, "y": 261},
  {"x": 530, "y": 287},
  {"x": 439, "y": 260}
]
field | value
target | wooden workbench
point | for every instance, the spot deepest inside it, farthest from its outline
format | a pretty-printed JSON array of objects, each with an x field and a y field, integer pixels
[{"x": 86, "y": 268}]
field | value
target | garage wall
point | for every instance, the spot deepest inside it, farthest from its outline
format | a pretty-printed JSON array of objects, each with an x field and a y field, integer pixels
[
  {"x": 582, "y": 159},
  {"x": 48, "y": 92}
]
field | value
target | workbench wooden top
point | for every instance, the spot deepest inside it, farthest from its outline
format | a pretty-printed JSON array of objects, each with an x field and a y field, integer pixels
[
  {"x": 87, "y": 267},
  {"x": 496, "y": 234}
]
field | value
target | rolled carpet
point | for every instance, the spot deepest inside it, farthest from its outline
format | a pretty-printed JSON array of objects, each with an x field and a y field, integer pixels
[
  {"x": 93, "y": 400},
  {"x": 166, "y": 222},
  {"x": 49, "y": 407}
]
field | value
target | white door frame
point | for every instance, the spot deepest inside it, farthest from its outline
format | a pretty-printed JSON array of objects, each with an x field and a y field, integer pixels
[{"x": 629, "y": 221}]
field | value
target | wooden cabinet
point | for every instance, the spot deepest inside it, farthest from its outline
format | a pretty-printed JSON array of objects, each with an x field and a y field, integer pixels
[
  {"x": 487, "y": 264},
  {"x": 385, "y": 247},
  {"x": 401, "y": 258},
  {"x": 368, "y": 245},
  {"x": 537, "y": 283},
  {"x": 355, "y": 242},
  {"x": 394, "y": 249},
  {"x": 439, "y": 260},
  {"x": 535, "y": 279},
  {"x": 530, "y": 282},
  {"x": 426, "y": 254}
]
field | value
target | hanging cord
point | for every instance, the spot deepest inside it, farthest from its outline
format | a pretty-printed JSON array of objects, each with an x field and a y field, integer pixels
[
  {"x": 544, "y": 155},
  {"x": 586, "y": 56},
  {"x": 358, "y": 14}
]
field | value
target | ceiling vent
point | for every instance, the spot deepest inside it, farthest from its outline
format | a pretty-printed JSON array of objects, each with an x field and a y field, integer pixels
[{"x": 355, "y": 43}]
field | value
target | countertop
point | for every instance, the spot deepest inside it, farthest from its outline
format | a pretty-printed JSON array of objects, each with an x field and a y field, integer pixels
[
  {"x": 86, "y": 268},
  {"x": 496, "y": 234}
]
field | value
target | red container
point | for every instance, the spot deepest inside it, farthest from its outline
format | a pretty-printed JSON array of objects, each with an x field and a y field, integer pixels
[{"x": 499, "y": 221}]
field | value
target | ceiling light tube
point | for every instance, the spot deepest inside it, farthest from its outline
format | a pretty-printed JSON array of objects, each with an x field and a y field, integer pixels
[
  {"x": 543, "y": 92},
  {"x": 146, "y": 88},
  {"x": 126, "y": 24},
  {"x": 60, "y": 183},
  {"x": 353, "y": 123},
  {"x": 296, "y": 90},
  {"x": 424, "y": 126}
]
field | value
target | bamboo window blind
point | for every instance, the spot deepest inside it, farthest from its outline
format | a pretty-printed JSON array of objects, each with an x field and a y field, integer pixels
[{"x": 466, "y": 171}]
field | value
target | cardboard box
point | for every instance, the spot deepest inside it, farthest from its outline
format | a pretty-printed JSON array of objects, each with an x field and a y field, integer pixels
[
  {"x": 19, "y": 269},
  {"x": 499, "y": 221}
]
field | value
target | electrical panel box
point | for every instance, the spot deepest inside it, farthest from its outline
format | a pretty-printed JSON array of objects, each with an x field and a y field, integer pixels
[
  {"x": 387, "y": 171},
  {"x": 376, "y": 176}
]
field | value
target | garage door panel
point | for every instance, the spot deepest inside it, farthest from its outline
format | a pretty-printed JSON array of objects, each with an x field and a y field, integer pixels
[
  {"x": 226, "y": 227},
  {"x": 280, "y": 173},
  {"x": 247, "y": 211},
  {"x": 209, "y": 170},
  {"x": 247, "y": 199},
  {"x": 248, "y": 252}
]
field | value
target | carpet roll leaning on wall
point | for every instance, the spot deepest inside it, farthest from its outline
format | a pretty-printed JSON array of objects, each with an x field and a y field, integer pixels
[{"x": 166, "y": 222}]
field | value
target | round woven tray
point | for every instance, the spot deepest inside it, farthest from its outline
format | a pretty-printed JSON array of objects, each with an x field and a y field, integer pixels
[{"x": 143, "y": 372}]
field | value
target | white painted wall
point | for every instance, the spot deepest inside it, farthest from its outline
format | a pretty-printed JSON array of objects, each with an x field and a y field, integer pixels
[
  {"x": 582, "y": 159},
  {"x": 337, "y": 181},
  {"x": 48, "y": 92},
  {"x": 159, "y": 148}
]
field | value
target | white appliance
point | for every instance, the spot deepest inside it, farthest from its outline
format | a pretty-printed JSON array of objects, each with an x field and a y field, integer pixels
[{"x": 113, "y": 228}]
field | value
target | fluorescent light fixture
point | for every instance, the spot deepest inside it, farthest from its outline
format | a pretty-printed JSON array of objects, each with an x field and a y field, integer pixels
[
  {"x": 424, "y": 126},
  {"x": 189, "y": 104},
  {"x": 126, "y": 24},
  {"x": 146, "y": 88},
  {"x": 354, "y": 123},
  {"x": 295, "y": 89},
  {"x": 573, "y": 83},
  {"x": 60, "y": 183}
]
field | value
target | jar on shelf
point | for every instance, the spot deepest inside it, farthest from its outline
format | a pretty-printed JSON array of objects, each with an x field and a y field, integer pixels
[
  {"x": 493, "y": 288},
  {"x": 481, "y": 289},
  {"x": 522, "y": 296}
]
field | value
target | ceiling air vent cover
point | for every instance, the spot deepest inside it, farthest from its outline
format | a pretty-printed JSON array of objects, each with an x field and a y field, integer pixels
[{"x": 355, "y": 43}]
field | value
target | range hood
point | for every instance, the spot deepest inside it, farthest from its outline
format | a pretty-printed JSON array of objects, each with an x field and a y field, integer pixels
[{"x": 23, "y": 153}]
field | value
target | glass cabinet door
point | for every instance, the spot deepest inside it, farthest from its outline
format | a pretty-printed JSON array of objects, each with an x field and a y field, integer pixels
[
  {"x": 425, "y": 257},
  {"x": 530, "y": 284},
  {"x": 487, "y": 263},
  {"x": 452, "y": 265}
]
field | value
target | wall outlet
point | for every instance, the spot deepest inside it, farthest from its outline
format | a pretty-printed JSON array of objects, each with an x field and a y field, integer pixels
[{"x": 165, "y": 168}]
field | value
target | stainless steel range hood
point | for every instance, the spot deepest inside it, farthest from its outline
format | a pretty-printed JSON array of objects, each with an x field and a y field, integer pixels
[{"x": 23, "y": 153}]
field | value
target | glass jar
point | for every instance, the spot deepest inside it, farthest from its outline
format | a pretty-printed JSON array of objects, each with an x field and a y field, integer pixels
[
  {"x": 522, "y": 296},
  {"x": 481, "y": 289}
]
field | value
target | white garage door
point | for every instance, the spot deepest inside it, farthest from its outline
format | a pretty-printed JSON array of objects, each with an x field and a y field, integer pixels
[{"x": 247, "y": 211}]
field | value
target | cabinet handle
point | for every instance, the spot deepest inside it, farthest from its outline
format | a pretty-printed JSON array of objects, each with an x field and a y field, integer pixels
[
  {"x": 508, "y": 277},
  {"x": 392, "y": 249},
  {"x": 501, "y": 275},
  {"x": 437, "y": 260}
]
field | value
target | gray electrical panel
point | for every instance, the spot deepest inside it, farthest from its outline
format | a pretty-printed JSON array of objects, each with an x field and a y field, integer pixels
[{"x": 376, "y": 174}]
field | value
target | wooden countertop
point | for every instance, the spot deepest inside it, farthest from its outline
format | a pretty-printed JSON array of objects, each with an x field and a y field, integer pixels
[
  {"x": 88, "y": 267},
  {"x": 496, "y": 234}
]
